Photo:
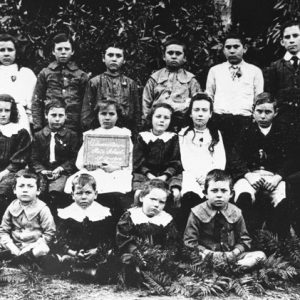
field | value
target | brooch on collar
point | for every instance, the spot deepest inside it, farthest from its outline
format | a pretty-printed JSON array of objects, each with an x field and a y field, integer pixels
[{"x": 13, "y": 78}]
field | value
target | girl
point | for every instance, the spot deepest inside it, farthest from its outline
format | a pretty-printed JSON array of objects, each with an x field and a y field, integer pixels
[
  {"x": 17, "y": 81},
  {"x": 147, "y": 223},
  {"x": 14, "y": 147},
  {"x": 85, "y": 229},
  {"x": 156, "y": 152},
  {"x": 112, "y": 180},
  {"x": 202, "y": 150}
]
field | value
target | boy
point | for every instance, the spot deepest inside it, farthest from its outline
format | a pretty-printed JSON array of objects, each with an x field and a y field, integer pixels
[
  {"x": 233, "y": 86},
  {"x": 217, "y": 227},
  {"x": 112, "y": 85},
  {"x": 55, "y": 147},
  {"x": 27, "y": 226},
  {"x": 172, "y": 84},
  {"x": 63, "y": 80},
  {"x": 284, "y": 75},
  {"x": 263, "y": 149}
]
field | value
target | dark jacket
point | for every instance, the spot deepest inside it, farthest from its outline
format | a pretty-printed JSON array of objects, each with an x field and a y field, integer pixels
[
  {"x": 269, "y": 152},
  {"x": 119, "y": 88},
  {"x": 64, "y": 82},
  {"x": 200, "y": 231},
  {"x": 66, "y": 148}
]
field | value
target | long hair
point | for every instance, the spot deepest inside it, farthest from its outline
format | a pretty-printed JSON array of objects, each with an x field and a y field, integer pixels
[
  {"x": 104, "y": 104},
  {"x": 14, "y": 114},
  {"x": 148, "y": 123},
  {"x": 211, "y": 128},
  {"x": 4, "y": 37}
]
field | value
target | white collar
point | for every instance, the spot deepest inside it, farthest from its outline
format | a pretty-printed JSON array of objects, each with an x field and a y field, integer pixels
[
  {"x": 150, "y": 136},
  {"x": 238, "y": 65},
  {"x": 9, "y": 129},
  {"x": 138, "y": 217},
  {"x": 288, "y": 56},
  {"x": 9, "y": 69},
  {"x": 95, "y": 212},
  {"x": 265, "y": 131}
]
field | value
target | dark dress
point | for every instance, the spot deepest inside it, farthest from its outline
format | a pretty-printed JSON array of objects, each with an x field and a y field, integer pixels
[{"x": 158, "y": 155}]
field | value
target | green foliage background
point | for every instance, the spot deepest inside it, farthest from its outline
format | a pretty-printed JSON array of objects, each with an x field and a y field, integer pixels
[{"x": 141, "y": 26}]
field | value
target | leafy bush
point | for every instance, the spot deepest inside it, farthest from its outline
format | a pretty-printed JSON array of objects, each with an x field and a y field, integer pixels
[{"x": 140, "y": 26}]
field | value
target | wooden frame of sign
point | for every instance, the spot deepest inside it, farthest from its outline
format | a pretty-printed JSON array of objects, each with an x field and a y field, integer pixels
[{"x": 110, "y": 149}]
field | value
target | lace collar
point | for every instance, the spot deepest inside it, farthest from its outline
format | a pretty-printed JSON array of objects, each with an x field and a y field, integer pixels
[
  {"x": 138, "y": 217},
  {"x": 205, "y": 213},
  {"x": 9, "y": 129},
  {"x": 95, "y": 212},
  {"x": 148, "y": 136},
  {"x": 31, "y": 210}
]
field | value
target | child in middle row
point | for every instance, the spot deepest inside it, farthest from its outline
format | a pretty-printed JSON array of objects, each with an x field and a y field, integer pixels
[
  {"x": 156, "y": 152},
  {"x": 113, "y": 181}
]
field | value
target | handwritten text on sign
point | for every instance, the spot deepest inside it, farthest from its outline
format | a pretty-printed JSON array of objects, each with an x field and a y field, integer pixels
[{"x": 112, "y": 150}]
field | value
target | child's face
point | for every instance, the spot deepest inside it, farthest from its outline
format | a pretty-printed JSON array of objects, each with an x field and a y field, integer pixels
[
  {"x": 218, "y": 193},
  {"x": 113, "y": 59},
  {"x": 5, "y": 111},
  {"x": 108, "y": 117},
  {"x": 234, "y": 51},
  {"x": 200, "y": 113},
  {"x": 26, "y": 189},
  {"x": 264, "y": 114},
  {"x": 84, "y": 195},
  {"x": 56, "y": 118},
  {"x": 174, "y": 56},
  {"x": 63, "y": 52},
  {"x": 7, "y": 53},
  {"x": 161, "y": 120},
  {"x": 154, "y": 202},
  {"x": 291, "y": 39}
]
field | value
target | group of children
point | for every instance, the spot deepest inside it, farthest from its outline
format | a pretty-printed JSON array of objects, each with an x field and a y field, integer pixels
[{"x": 180, "y": 142}]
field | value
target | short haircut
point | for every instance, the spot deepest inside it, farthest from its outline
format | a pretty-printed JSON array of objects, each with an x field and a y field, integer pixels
[
  {"x": 114, "y": 45},
  {"x": 83, "y": 180},
  {"x": 14, "y": 115},
  {"x": 217, "y": 175},
  {"x": 60, "y": 38},
  {"x": 173, "y": 41},
  {"x": 104, "y": 104},
  {"x": 148, "y": 124},
  {"x": 263, "y": 98},
  {"x": 56, "y": 103},
  {"x": 287, "y": 24},
  {"x": 26, "y": 173},
  {"x": 154, "y": 184},
  {"x": 234, "y": 35}
]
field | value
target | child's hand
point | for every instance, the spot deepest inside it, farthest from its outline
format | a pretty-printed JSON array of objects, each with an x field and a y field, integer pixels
[
  {"x": 150, "y": 176},
  {"x": 200, "y": 180},
  {"x": 162, "y": 177},
  {"x": 15, "y": 250},
  {"x": 255, "y": 180},
  {"x": 271, "y": 182},
  {"x": 91, "y": 167},
  {"x": 109, "y": 168},
  {"x": 176, "y": 196},
  {"x": 230, "y": 256},
  {"x": 57, "y": 172},
  {"x": 3, "y": 174},
  {"x": 81, "y": 253}
]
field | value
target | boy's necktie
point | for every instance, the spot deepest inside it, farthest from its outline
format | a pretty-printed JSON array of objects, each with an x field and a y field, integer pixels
[
  {"x": 235, "y": 72},
  {"x": 52, "y": 147},
  {"x": 294, "y": 60}
]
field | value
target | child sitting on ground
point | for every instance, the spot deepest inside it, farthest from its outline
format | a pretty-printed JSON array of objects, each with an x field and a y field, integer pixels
[
  {"x": 85, "y": 229},
  {"x": 54, "y": 152},
  {"x": 113, "y": 180},
  {"x": 27, "y": 227},
  {"x": 148, "y": 223},
  {"x": 156, "y": 152},
  {"x": 15, "y": 147},
  {"x": 217, "y": 227}
]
